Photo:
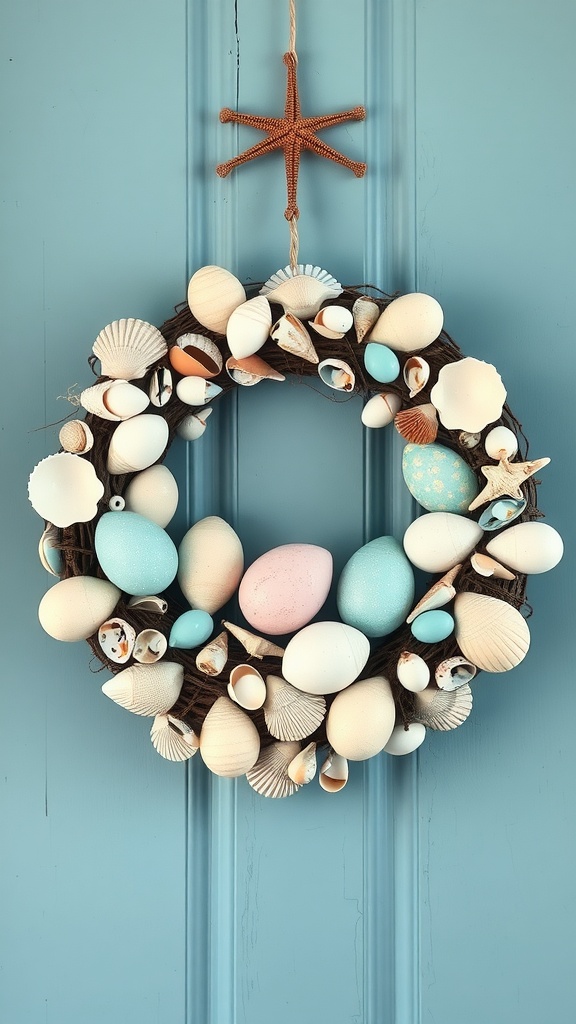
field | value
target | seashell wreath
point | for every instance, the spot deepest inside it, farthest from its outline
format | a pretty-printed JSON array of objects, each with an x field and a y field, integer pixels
[{"x": 394, "y": 666}]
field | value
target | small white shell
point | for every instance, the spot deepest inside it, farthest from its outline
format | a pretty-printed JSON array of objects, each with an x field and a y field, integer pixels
[
  {"x": 333, "y": 773},
  {"x": 76, "y": 437},
  {"x": 248, "y": 327},
  {"x": 146, "y": 689},
  {"x": 150, "y": 646},
  {"x": 361, "y": 719},
  {"x": 173, "y": 739},
  {"x": 291, "y": 714},
  {"x": 416, "y": 373},
  {"x": 196, "y": 390},
  {"x": 501, "y": 442},
  {"x": 380, "y": 410},
  {"x": 161, "y": 387},
  {"x": 137, "y": 443},
  {"x": 332, "y": 321},
  {"x": 302, "y": 768},
  {"x": 116, "y": 638},
  {"x": 193, "y": 355},
  {"x": 193, "y": 426},
  {"x": 490, "y": 633},
  {"x": 484, "y": 565},
  {"x": 528, "y": 547},
  {"x": 229, "y": 740},
  {"x": 49, "y": 553},
  {"x": 454, "y": 672},
  {"x": 412, "y": 672},
  {"x": 437, "y": 541},
  {"x": 74, "y": 608},
  {"x": 114, "y": 400},
  {"x": 117, "y": 503},
  {"x": 64, "y": 489},
  {"x": 337, "y": 374},
  {"x": 213, "y": 294},
  {"x": 149, "y": 603},
  {"x": 247, "y": 687},
  {"x": 468, "y": 394},
  {"x": 301, "y": 291},
  {"x": 290, "y": 334},
  {"x": 441, "y": 709},
  {"x": 212, "y": 658},
  {"x": 405, "y": 741},
  {"x": 409, "y": 323},
  {"x": 269, "y": 776},
  {"x": 153, "y": 493},
  {"x": 365, "y": 313},
  {"x": 127, "y": 348}
]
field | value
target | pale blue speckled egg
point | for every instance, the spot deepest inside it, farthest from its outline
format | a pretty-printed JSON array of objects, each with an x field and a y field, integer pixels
[
  {"x": 438, "y": 478},
  {"x": 381, "y": 362},
  {"x": 376, "y": 588},
  {"x": 134, "y": 553},
  {"x": 432, "y": 627}
]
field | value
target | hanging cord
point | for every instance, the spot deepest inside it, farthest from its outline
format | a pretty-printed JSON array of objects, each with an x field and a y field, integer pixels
[{"x": 294, "y": 240}]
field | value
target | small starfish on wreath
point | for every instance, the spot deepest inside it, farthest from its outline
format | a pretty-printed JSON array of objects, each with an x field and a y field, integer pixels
[
  {"x": 292, "y": 133},
  {"x": 505, "y": 479}
]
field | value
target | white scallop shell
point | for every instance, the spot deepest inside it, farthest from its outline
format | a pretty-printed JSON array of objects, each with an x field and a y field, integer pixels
[
  {"x": 409, "y": 323},
  {"x": 247, "y": 687},
  {"x": 361, "y": 719},
  {"x": 49, "y": 552},
  {"x": 324, "y": 657},
  {"x": 290, "y": 334},
  {"x": 161, "y": 387},
  {"x": 74, "y": 608},
  {"x": 301, "y": 291},
  {"x": 196, "y": 390},
  {"x": 149, "y": 603},
  {"x": 365, "y": 313},
  {"x": 441, "y": 709},
  {"x": 153, "y": 493},
  {"x": 137, "y": 443},
  {"x": 454, "y": 672},
  {"x": 210, "y": 564},
  {"x": 332, "y": 321},
  {"x": 212, "y": 658},
  {"x": 248, "y": 327},
  {"x": 117, "y": 638},
  {"x": 194, "y": 355},
  {"x": 114, "y": 400},
  {"x": 193, "y": 426},
  {"x": 213, "y": 294},
  {"x": 128, "y": 348},
  {"x": 150, "y": 646},
  {"x": 528, "y": 547},
  {"x": 437, "y": 541},
  {"x": 501, "y": 442},
  {"x": 405, "y": 741},
  {"x": 173, "y": 739},
  {"x": 490, "y": 633},
  {"x": 229, "y": 740},
  {"x": 291, "y": 714},
  {"x": 412, "y": 672},
  {"x": 416, "y": 373},
  {"x": 381, "y": 409},
  {"x": 302, "y": 768},
  {"x": 337, "y": 374},
  {"x": 468, "y": 394},
  {"x": 146, "y": 689},
  {"x": 64, "y": 489},
  {"x": 76, "y": 437},
  {"x": 333, "y": 773},
  {"x": 269, "y": 776}
]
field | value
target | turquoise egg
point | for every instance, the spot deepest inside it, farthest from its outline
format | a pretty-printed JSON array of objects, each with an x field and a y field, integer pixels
[
  {"x": 381, "y": 362},
  {"x": 376, "y": 588},
  {"x": 134, "y": 553},
  {"x": 431, "y": 627},
  {"x": 438, "y": 478},
  {"x": 191, "y": 629}
]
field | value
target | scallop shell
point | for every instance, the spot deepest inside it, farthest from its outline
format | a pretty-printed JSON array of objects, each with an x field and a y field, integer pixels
[
  {"x": 149, "y": 603},
  {"x": 76, "y": 437},
  {"x": 153, "y": 494},
  {"x": 439, "y": 594},
  {"x": 333, "y": 773},
  {"x": 256, "y": 646},
  {"x": 290, "y": 334},
  {"x": 117, "y": 638},
  {"x": 468, "y": 394},
  {"x": 301, "y": 291},
  {"x": 229, "y": 740},
  {"x": 291, "y": 714},
  {"x": 490, "y": 633},
  {"x": 441, "y": 709},
  {"x": 146, "y": 689},
  {"x": 412, "y": 672},
  {"x": 64, "y": 489},
  {"x": 251, "y": 370},
  {"x": 380, "y": 410},
  {"x": 193, "y": 355},
  {"x": 269, "y": 776},
  {"x": 416, "y": 373},
  {"x": 161, "y": 387},
  {"x": 74, "y": 608},
  {"x": 332, "y": 321},
  {"x": 212, "y": 658},
  {"x": 128, "y": 348},
  {"x": 114, "y": 400},
  {"x": 213, "y": 294},
  {"x": 248, "y": 327},
  {"x": 210, "y": 564},
  {"x": 150, "y": 646},
  {"x": 193, "y": 426},
  {"x": 361, "y": 719},
  {"x": 484, "y": 565},
  {"x": 365, "y": 313},
  {"x": 452, "y": 673},
  {"x": 337, "y": 374},
  {"x": 405, "y": 740},
  {"x": 247, "y": 687},
  {"x": 137, "y": 443},
  {"x": 49, "y": 552},
  {"x": 418, "y": 425},
  {"x": 302, "y": 768},
  {"x": 173, "y": 739},
  {"x": 196, "y": 390}
]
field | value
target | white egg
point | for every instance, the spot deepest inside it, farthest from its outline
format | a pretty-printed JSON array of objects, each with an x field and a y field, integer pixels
[
  {"x": 324, "y": 657},
  {"x": 501, "y": 441},
  {"x": 528, "y": 547},
  {"x": 137, "y": 443},
  {"x": 410, "y": 323},
  {"x": 404, "y": 741},
  {"x": 74, "y": 608},
  {"x": 361, "y": 719},
  {"x": 439, "y": 540},
  {"x": 412, "y": 672},
  {"x": 153, "y": 494},
  {"x": 381, "y": 409}
]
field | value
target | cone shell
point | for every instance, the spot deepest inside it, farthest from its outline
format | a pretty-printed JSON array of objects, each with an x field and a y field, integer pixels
[
  {"x": 153, "y": 494},
  {"x": 337, "y": 374},
  {"x": 128, "y": 348},
  {"x": 64, "y": 489},
  {"x": 193, "y": 426},
  {"x": 247, "y": 687},
  {"x": 468, "y": 395},
  {"x": 418, "y": 425},
  {"x": 269, "y": 776},
  {"x": 416, "y": 373},
  {"x": 117, "y": 638},
  {"x": 76, "y": 437},
  {"x": 251, "y": 370},
  {"x": 291, "y": 714},
  {"x": 257, "y": 646},
  {"x": 301, "y": 292},
  {"x": 290, "y": 334},
  {"x": 409, "y": 323},
  {"x": 333, "y": 773},
  {"x": 213, "y": 294},
  {"x": 486, "y": 566},
  {"x": 146, "y": 689},
  {"x": 361, "y": 719},
  {"x": 365, "y": 313},
  {"x": 380, "y": 410},
  {"x": 150, "y": 646},
  {"x": 441, "y": 709},
  {"x": 210, "y": 564},
  {"x": 332, "y": 321},
  {"x": 229, "y": 741},
  {"x": 114, "y": 400},
  {"x": 302, "y": 768},
  {"x": 412, "y": 672},
  {"x": 137, "y": 443},
  {"x": 212, "y": 658},
  {"x": 405, "y": 741},
  {"x": 454, "y": 672},
  {"x": 149, "y": 603},
  {"x": 193, "y": 355},
  {"x": 248, "y": 327},
  {"x": 490, "y": 633},
  {"x": 440, "y": 593},
  {"x": 173, "y": 739},
  {"x": 161, "y": 387}
]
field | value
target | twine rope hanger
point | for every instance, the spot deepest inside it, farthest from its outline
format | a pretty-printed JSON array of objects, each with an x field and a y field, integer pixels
[{"x": 292, "y": 133}]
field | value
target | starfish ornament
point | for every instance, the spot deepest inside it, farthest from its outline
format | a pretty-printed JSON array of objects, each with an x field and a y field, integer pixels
[
  {"x": 292, "y": 133},
  {"x": 505, "y": 478}
]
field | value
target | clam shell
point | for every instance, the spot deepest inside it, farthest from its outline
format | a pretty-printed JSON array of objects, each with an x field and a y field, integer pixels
[
  {"x": 173, "y": 739},
  {"x": 337, "y": 374},
  {"x": 153, "y": 493},
  {"x": 468, "y": 394},
  {"x": 501, "y": 512},
  {"x": 405, "y": 741},
  {"x": 269, "y": 776},
  {"x": 248, "y": 327},
  {"x": 418, "y": 425},
  {"x": 117, "y": 638},
  {"x": 161, "y": 387},
  {"x": 452, "y": 673},
  {"x": 229, "y": 740},
  {"x": 290, "y": 334},
  {"x": 114, "y": 400},
  {"x": 76, "y": 437},
  {"x": 212, "y": 658},
  {"x": 213, "y": 294},
  {"x": 137, "y": 443},
  {"x": 251, "y": 370},
  {"x": 128, "y": 348},
  {"x": 439, "y": 594},
  {"x": 193, "y": 355},
  {"x": 302, "y": 768},
  {"x": 361, "y": 719},
  {"x": 150, "y": 646},
  {"x": 416, "y": 373},
  {"x": 247, "y": 687},
  {"x": 74, "y": 608},
  {"x": 301, "y": 291},
  {"x": 146, "y": 689},
  {"x": 257, "y": 646},
  {"x": 332, "y": 321},
  {"x": 380, "y": 410},
  {"x": 333, "y": 773},
  {"x": 193, "y": 426},
  {"x": 409, "y": 323},
  {"x": 441, "y": 709},
  {"x": 149, "y": 603},
  {"x": 490, "y": 633},
  {"x": 196, "y": 390},
  {"x": 64, "y": 489},
  {"x": 437, "y": 541},
  {"x": 210, "y": 564},
  {"x": 49, "y": 552},
  {"x": 528, "y": 547},
  {"x": 291, "y": 714},
  {"x": 501, "y": 443},
  {"x": 412, "y": 672},
  {"x": 486, "y": 566},
  {"x": 365, "y": 313}
]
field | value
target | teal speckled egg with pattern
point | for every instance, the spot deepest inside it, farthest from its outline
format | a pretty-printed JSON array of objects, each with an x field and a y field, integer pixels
[{"x": 438, "y": 478}]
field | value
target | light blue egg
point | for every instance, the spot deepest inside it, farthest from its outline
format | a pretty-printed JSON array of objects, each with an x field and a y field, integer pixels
[
  {"x": 191, "y": 629},
  {"x": 381, "y": 362},
  {"x": 438, "y": 478},
  {"x": 431, "y": 627},
  {"x": 134, "y": 553},
  {"x": 376, "y": 588}
]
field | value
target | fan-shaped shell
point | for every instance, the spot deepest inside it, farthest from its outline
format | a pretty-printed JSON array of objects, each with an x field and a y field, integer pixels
[
  {"x": 114, "y": 400},
  {"x": 137, "y": 443},
  {"x": 76, "y": 437},
  {"x": 441, "y": 709},
  {"x": 173, "y": 739},
  {"x": 337, "y": 374},
  {"x": 468, "y": 394},
  {"x": 74, "y": 608},
  {"x": 361, "y": 719},
  {"x": 302, "y": 768},
  {"x": 210, "y": 564},
  {"x": 128, "y": 348},
  {"x": 64, "y": 489},
  {"x": 150, "y": 646},
  {"x": 229, "y": 740},
  {"x": 213, "y": 294},
  {"x": 153, "y": 493},
  {"x": 454, "y": 672},
  {"x": 146, "y": 689},
  {"x": 333, "y": 773},
  {"x": 365, "y": 313},
  {"x": 490, "y": 633},
  {"x": 381, "y": 409},
  {"x": 117, "y": 638},
  {"x": 291, "y": 714},
  {"x": 212, "y": 658},
  {"x": 302, "y": 291},
  {"x": 269, "y": 776},
  {"x": 290, "y": 334},
  {"x": 193, "y": 355},
  {"x": 419, "y": 425},
  {"x": 248, "y": 327},
  {"x": 247, "y": 687}
]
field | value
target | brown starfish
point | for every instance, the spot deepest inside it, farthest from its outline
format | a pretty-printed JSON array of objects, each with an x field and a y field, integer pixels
[
  {"x": 292, "y": 133},
  {"x": 505, "y": 478}
]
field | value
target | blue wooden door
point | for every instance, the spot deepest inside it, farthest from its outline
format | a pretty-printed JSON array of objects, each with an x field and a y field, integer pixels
[{"x": 437, "y": 888}]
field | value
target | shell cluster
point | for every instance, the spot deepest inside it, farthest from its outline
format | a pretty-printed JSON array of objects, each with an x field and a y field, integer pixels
[{"x": 397, "y": 663}]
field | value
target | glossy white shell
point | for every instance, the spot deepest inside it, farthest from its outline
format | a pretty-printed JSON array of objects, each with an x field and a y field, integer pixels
[
  {"x": 210, "y": 564},
  {"x": 173, "y": 739},
  {"x": 64, "y": 489},
  {"x": 437, "y": 541},
  {"x": 213, "y": 294},
  {"x": 229, "y": 740},
  {"x": 128, "y": 348},
  {"x": 381, "y": 409},
  {"x": 416, "y": 373},
  {"x": 137, "y": 443},
  {"x": 291, "y": 714},
  {"x": 410, "y": 323},
  {"x": 146, "y": 689},
  {"x": 302, "y": 768},
  {"x": 153, "y": 493},
  {"x": 337, "y": 374},
  {"x": 361, "y": 719},
  {"x": 248, "y": 327},
  {"x": 149, "y": 603},
  {"x": 302, "y": 291},
  {"x": 150, "y": 646},
  {"x": 468, "y": 394},
  {"x": 290, "y": 334},
  {"x": 117, "y": 638},
  {"x": 333, "y": 773},
  {"x": 74, "y": 608},
  {"x": 528, "y": 547},
  {"x": 324, "y": 657},
  {"x": 490, "y": 633},
  {"x": 193, "y": 426},
  {"x": 247, "y": 687}
]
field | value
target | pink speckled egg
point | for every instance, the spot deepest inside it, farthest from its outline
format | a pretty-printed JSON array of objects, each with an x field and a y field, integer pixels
[{"x": 285, "y": 588}]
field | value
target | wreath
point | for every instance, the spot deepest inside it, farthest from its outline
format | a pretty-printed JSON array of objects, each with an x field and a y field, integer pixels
[{"x": 395, "y": 664}]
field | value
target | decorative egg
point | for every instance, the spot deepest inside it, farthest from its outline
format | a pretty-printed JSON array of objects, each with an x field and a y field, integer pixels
[
  {"x": 286, "y": 587},
  {"x": 412, "y": 672},
  {"x": 191, "y": 629},
  {"x": 153, "y": 494},
  {"x": 381, "y": 362},
  {"x": 409, "y": 323},
  {"x": 381, "y": 409},
  {"x": 324, "y": 657},
  {"x": 437, "y": 541},
  {"x": 74, "y": 608},
  {"x": 406, "y": 740},
  {"x": 136, "y": 554},
  {"x": 137, "y": 443},
  {"x": 431, "y": 627},
  {"x": 376, "y": 588},
  {"x": 528, "y": 547},
  {"x": 213, "y": 293},
  {"x": 361, "y": 719},
  {"x": 438, "y": 478},
  {"x": 501, "y": 442},
  {"x": 210, "y": 564}
]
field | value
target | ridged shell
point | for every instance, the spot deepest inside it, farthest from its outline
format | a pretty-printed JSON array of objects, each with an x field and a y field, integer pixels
[
  {"x": 76, "y": 437},
  {"x": 193, "y": 426},
  {"x": 64, "y": 489},
  {"x": 332, "y": 321},
  {"x": 337, "y": 374},
  {"x": 361, "y": 719},
  {"x": 365, "y": 313},
  {"x": 251, "y": 370},
  {"x": 193, "y": 355},
  {"x": 269, "y": 776},
  {"x": 210, "y": 564},
  {"x": 302, "y": 768},
  {"x": 418, "y": 425},
  {"x": 150, "y": 646},
  {"x": 229, "y": 740},
  {"x": 490, "y": 633},
  {"x": 248, "y": 327},
  {"x": 137, "y": 443},
  {"x": 213, "y": 294},
  {"x": 114, "y": 400},
  {"x": 291, "y": 714},
  {"x": 153, "y": 493},
  {"x": 173, "y": 739},
  {"x": 290, "y": 334},
  {"x": 117, "y": 638},
  {"x": 333, "y": 773},
  {"x": 454, "y": 672},
  {"x": 301, "y": 292},
  {"x": 247, "y": 687},
  {"x": 161, "y": 387},
  {"x": 257, "y": 646},
  {"x": 416, "y": 373},
  {"x": 380, "y": 410},
  {"x": 468, "y": 394},
  {"x": 128, "y": 348},
  {"x": 212, "y": 658},
  {"x": 442, "y": 710},
  {"x": 146, "y": 689}
]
